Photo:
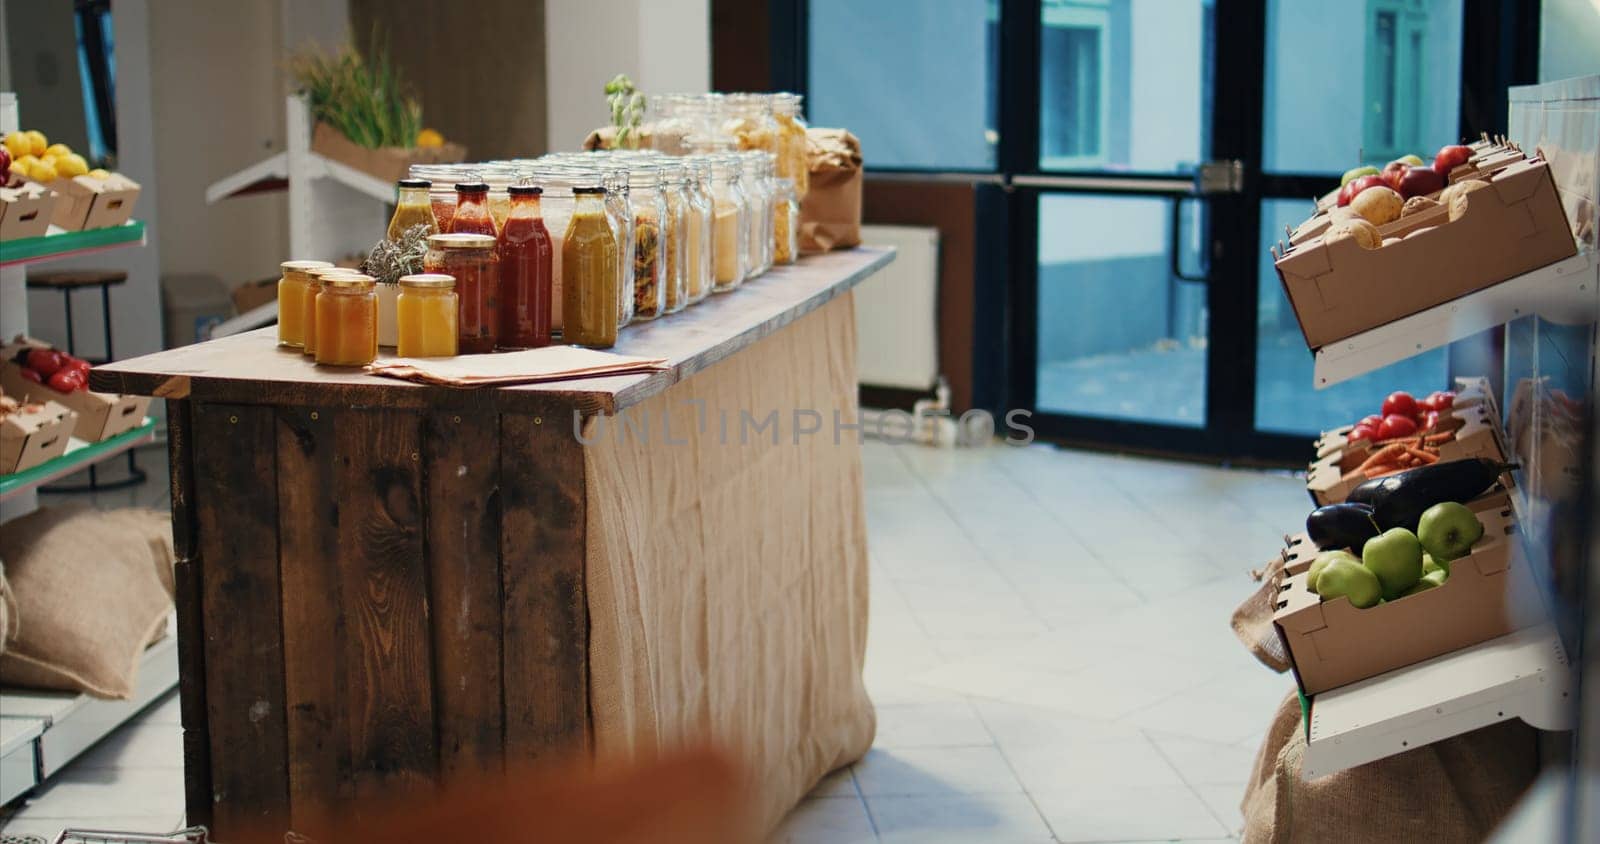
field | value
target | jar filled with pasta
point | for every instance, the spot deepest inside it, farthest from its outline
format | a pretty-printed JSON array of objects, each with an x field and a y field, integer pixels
[
  {"x": 648, "y": 202},
  {"x": 730, "y": 233},
  {"x": 749, "y": 119},
  {"x": 785, "y": 222},
  {"x": 792, "y": 161},
  {"x": 471, "y": 260},
  {"x": 589, "y": 258}
]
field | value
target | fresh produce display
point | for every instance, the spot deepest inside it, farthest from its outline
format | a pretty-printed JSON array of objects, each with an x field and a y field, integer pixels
[
  {"x": 1395, "y": 556},
  {"x": 32, "y": 156},
  {"x": 1400, "y": 500},
  {"x": 1398, "y": 562},
  {"x": 55, "y": 369},
  {"x": 1342, "y": 526},
  {"x": 1447, "y": 531},
  {"x": 1403, "y": 416},
  {"x": 9, "y": 405}
]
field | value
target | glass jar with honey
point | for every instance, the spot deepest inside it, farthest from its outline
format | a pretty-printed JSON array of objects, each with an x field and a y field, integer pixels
[
  {"x": 308, "y": 310},
  {"x": 471, "y": 260},
  {"x": 293, "y": 288},
  {"x": 426, "y": 313},
  {"x": 347, "y": 320}
]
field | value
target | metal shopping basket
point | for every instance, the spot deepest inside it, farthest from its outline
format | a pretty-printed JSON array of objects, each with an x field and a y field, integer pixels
[{"x": 192, "y": 835}]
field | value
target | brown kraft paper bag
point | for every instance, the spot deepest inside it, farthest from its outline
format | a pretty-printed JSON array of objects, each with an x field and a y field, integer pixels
[{"x": 830, "y": 214}]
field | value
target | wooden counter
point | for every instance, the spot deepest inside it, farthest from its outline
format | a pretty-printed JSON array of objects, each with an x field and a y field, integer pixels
[{"x": 384, "y": 585}]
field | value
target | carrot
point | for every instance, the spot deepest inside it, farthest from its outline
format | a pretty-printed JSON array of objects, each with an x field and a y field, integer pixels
[
  {"x": 1421, "y": 456},
  {"x": 1435, "y": 439},
  {"x": 1382, "y": 455}
]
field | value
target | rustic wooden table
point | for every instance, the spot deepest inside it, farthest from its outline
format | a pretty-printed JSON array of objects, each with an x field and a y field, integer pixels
[{"x": 326, "y": 521}]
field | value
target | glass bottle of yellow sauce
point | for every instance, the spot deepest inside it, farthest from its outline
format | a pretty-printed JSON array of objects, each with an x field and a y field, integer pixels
[
  {"x": 412, "y": 207},
  {"x": 425, "y": 314},
  {"x": 589, "y": 265},
  {"x": 347, "y": 321},
  {"x": 293, "y": 287},
  {"x": 308, "y": 312}
]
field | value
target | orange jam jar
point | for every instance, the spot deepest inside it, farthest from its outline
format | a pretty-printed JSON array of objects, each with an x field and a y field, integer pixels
[
  {"x": 425, "y": 315},
  {"x": 308, "y": 307},
  {"x": 347, "y": 321},
  {"x": 293, "y": 287}
]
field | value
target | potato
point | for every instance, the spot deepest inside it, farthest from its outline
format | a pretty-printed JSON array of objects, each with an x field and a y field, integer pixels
[
  {"x": 1417, "y": 204},
  {"x": 1365, "y": 233},
  {"x": 1455, "y": 196},
  {"x": 1378, "y": 205},
  {"x": 1390, "y": 241}
]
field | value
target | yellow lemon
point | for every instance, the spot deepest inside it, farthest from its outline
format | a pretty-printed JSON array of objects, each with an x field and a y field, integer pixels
[
  {"x": 24, "y": 162},
  {"x": 43, "y": 171},
  {"x": 59, "y": 150},
  {"x": 99, "y": 173},
  {"x": 430, "y": 138},
  {"x": 18, "y": 145},
  {"x": 38, "y": 140},
  {"x": 71, "y": 164}
]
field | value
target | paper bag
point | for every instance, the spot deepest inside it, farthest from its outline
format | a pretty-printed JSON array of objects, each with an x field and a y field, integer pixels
[{"x": 830, "y": 214}]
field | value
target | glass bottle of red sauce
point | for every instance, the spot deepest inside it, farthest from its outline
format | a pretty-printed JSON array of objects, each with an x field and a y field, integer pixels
[
  {"x": 472, "y": 210},
  {"x": 526, "y": 250},
  {"x": 470, "y": 259}
]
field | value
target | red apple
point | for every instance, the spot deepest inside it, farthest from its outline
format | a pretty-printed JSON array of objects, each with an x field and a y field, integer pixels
[
  {"x": 1450, "y": 157},
  {"x": 1420, "y": 181},
  {"x": 1361, "y": 432},
  {"x": 1392, "y": 172},
  {"x": 1399, "y": 403},
  {"x": 1365, "y": 182},
  {"x": 1395, "y": 425},
  {"x": 1346, "y": 193}
]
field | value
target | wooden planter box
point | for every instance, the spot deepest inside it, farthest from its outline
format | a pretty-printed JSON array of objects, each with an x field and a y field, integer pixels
[{"x": 391, "y": 164}]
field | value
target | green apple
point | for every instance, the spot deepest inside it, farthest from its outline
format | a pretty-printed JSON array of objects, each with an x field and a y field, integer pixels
[
  {"x": 1413, "y": 160},
  {"x": 1437, "y": 578},
  {"x": 1395, "y": 556},
  {"x": 1429, "y": 564},
  {"x": 1322, "y": 562},
  {"x": 1447, "y": 530},
  {"x": 1356, "y": 173},
  {"x": 1348, "y": 579}
]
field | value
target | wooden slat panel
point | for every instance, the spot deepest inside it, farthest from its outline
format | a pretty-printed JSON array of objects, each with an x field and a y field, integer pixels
[
  {"x": 461, "y": 474},
  {"x": 308, "y": 552},
  {"x": 188, "y": 596},
  {"x": 546, "y": 620},
  {"x": 383, "y": 588},
  {"x": 236, "y": 506}
]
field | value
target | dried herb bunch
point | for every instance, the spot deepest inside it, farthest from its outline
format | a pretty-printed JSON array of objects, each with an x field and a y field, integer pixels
[{"x": 389, "y": 260}]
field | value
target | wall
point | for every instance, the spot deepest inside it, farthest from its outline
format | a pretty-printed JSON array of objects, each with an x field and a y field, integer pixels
[
  {"x": 663, "y": 45},
  {"x": 1569, "y": 31},
  {"x": 41, "y": 40}
]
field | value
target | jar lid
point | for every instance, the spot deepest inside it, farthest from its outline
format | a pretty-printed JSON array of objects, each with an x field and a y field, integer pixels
[
  {"x": 525, "y": 190},
  {"x": 432, "y": 281},
  {"x": 302, "y": 266},
  {"x": 324, "y": 272},
  {"x": 460, "y": 240},
  {"x": 352, "y": 281},
  {"x": 473, "y": 187},
  {"x": 583, "y": 190},
  {"x": 415, "y": 183}
]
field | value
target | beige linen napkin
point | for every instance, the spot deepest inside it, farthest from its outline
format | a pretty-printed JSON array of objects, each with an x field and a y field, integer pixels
[{"x": 551, "y": 363}]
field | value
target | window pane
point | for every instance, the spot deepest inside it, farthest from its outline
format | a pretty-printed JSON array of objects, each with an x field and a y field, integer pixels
[
  {"x": 913, "y": 79},
  {"x": 1124, "y": 84},
  {"x": 1286, "y": 402},
  {"x": 1360, "y": 82},
  {"x": 1119, "y": 336}
]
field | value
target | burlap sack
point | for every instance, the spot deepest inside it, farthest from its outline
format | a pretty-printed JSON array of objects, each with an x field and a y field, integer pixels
[
  {"x": 95, "y": 588},
  {"x": 1454, "y": 790},
  {"x": 10, "y": 622},
  {"x": 1252, "y": 620},
  {"x": 830, "y": 213}
]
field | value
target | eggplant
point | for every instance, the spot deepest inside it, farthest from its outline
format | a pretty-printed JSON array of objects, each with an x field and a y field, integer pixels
[
  {"x": 1399, "y": 500},
  {"x": 1341, "y": 526}
]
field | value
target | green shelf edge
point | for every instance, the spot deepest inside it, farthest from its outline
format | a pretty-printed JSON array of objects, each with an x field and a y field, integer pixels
[
  {"x": 84, "y": 457},
  {"x": 51, "y": 245}
]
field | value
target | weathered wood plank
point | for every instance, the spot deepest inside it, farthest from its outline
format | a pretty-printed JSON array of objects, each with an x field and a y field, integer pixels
[
  {"x": 461, "y": 477},
  {"x": 188, "y": 596},
  {"x": 546, "y": 623},
  {"x": 249, "y": 368},
  {"x": 388, "y": 676},
  {"x": 236, "y": 507},
  {"x": 313, "y": 617}
]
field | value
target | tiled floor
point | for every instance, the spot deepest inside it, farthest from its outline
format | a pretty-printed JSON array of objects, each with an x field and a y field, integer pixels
[{"x": 1049, "y": 653}]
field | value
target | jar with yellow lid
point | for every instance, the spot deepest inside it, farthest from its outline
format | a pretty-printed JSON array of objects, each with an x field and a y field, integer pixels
[
  {"x": 347, "y": 320},
  {"x": 425, "y": 314},
  {"x": 308, "y": 312},
  {"x": 293, "y": 287}
]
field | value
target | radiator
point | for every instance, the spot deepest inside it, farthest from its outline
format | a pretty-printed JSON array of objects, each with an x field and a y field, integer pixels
[{"x": 897, "y": 311}]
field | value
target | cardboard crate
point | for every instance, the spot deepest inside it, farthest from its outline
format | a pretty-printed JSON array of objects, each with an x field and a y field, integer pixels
[
  {"x": 1477, "y": 435},
  {"x": 1299, "y": 551},
  {"x": 101, "y": 416},
  {"x": 85, "y": 202},
  {"x": 389, "y": 164},
  {"x": 29, "y": 439},
  {"x": 25, "y": 211},
  {"x": 1489, "y": 593},
  {"x": 1487, "y": 157},
  {"x": 1513, "y": 226}
]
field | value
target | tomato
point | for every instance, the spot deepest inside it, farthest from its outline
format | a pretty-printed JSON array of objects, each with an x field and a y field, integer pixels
[
  {"x": 1396, "y": 425},
  {"x": 1362, "y": 432},
  {"x": 1399, "y": 403},
  {"x": 1442, "y": 400},
  {"x": 30, "y": 375},
  {"x": 45, "y": 361},
  {"x": 66, "y": 381},
  {"x": 1372, "y": 421},
  {"x": 1430, "y": 421},
  {"x": 79, "y": 364}
]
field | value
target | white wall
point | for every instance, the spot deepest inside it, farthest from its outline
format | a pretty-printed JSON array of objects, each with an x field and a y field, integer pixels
[
  {"x": 1569, "y": 39},
  {"x": 663, "y": 45}
]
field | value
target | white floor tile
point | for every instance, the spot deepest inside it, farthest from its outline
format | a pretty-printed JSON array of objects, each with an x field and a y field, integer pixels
[
  {"x": 136, "y": 745},
  {"x": 1064, "y": 767},
  {"x": 826, "y": 820},
  {"x": 1202, "y": 763},
  {"x": 840, "y": 783},
  {"x": 987, "y": 818},
  {"x": 1223, "y": 800},
  {"x": 49, "y": 828},
  {"x": 79, "y": 794},
  {"x": 1117, "y": 813},
  {"x": 940, "y": 724},
  {"x": 935, "y": 771}
]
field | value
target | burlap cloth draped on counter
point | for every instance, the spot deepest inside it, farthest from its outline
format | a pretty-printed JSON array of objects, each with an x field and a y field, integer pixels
[{"x": 727, "y": 581}]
